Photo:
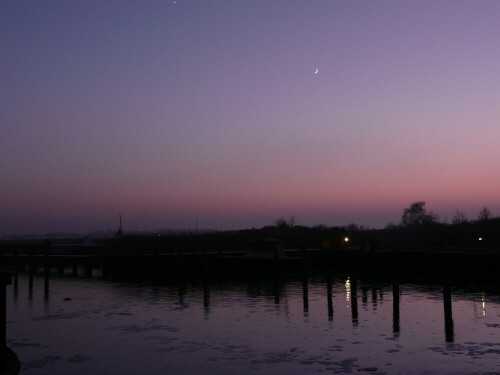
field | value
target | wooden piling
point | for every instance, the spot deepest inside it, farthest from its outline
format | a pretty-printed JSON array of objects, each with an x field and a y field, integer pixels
[
  {"x": 46, "y": 285},
  {"x": 448, "y": 315},
  {"x": 105, "y": 270},
  {"x": 16, "y": 261},
  {"x": 46, "y": 257},
  {"x": 181, "y": 292},
  {"x": 374, "y": 298},
  {"x": 396, "y": 328},
  {"x": 305, "y": 295},
  {"x": 3, "y": 311},
  {"x": 88, "y": 269},
  {"x": 364, "y": 295},
  {"x": 276, "y": 289},
  {"x": 16, "y": 285},
  {"x": 354, "y": 301},
  {"x": 5, "y": 279},
  {"x": 395, "y": 274},
  {"x": 329, "y": 296},
  {"x": 31, "y": 263},
  {"x": 31, "y": 272},
  {"x": 206, "y": 296},
  {"x": 305, "y": 260}
]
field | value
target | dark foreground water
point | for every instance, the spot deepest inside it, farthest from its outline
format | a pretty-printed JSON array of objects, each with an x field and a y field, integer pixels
[{"x": 284, "y": 325}]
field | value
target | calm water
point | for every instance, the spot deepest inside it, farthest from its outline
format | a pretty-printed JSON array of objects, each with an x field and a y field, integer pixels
[{"x": 285, "y": 326}]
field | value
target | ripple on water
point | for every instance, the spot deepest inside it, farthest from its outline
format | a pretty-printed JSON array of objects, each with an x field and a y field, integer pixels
[{"x": 79, "y": 358}]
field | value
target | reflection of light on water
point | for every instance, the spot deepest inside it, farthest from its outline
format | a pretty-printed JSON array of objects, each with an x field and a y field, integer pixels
[
  {"x": 483, "y": 306},
  {"x": 348, "y": 289},
  {"x": 483, "y": 303}
]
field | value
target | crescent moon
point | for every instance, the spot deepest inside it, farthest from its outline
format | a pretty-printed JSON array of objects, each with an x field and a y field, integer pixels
[{"x": 317, "y": 71}]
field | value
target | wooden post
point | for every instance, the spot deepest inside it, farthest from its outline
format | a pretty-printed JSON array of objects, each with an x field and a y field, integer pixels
[
  {"x": 5, "y": 279},
  {"x": 329, "y": 296},
  {"x": 364, "y": 296},
  {"x": 31, "y": 271},
  {"x": 303, "y": 254},
  {"x": 354, "y": 301},
  {"x": 206, "y": 296},
  {"x": 448, "y": 316},
  {"x": 205, "y": 263},
  {"x": 46, "y": 258},
  {"x": 88, "y": 268},
  {"x": 105, "y": 270},
  {"x": 46, "y": 286},
  {"x": 395, "y": 270},
  {"x": 305, "y": 295},
  {"x": 3, "y": 311},
  {"x": 46, "y": 265},
  {"x": 31, "y": 263},
  {"x": 395, "y": 309},
  {"x": 374, "y": 298},
  {"x": 275, "y": 257},
  {"x": 16, "y": 261},
  {"x": 181, "y": 292},
  {"x": 276, "y": 289},
  {"x": 16, "y": 286}
]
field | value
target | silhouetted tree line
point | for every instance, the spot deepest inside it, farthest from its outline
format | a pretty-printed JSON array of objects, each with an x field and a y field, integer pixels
[
  {"x": 419, "y": 228},
  {"x": 416, "y": 214}
]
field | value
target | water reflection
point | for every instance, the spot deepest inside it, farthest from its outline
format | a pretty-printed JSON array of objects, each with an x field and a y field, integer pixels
[
  {"x": 364, "y": 297},
  {"x": 481, "y": 314},
  {"x": 483, "y": 304},
  {"x": 276, "y": 288},
  {"x": 348, "y": 290},
  {"x": 374, "y": 298},
  {"x": 186, "y": 314}
]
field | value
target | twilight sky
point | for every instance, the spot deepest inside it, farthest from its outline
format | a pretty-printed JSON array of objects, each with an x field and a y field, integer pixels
[{"x": 165, "y": 111}]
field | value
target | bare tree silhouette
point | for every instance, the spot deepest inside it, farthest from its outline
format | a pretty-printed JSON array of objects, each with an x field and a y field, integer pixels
[
  {"x": 459, "y": 218},
  {"x": 484, "y": 214},
  {"x": 417, "y": 214}
]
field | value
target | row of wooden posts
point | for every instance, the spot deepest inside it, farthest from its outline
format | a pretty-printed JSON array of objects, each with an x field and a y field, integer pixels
[{"x": 353, "y": 289}]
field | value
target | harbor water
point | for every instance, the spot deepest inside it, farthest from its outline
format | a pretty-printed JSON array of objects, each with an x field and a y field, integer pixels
[{"x": 282, "y": 324}]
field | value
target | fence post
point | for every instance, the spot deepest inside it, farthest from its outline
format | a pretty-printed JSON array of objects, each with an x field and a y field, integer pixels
[{"x": 5, "y": 279}]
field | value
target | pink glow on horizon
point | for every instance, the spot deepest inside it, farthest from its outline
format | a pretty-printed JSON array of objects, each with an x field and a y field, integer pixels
[{"x": 211, "y": 109}]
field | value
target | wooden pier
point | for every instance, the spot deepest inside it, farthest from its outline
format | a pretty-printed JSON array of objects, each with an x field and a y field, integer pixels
[{"x": 113, "y": 260}]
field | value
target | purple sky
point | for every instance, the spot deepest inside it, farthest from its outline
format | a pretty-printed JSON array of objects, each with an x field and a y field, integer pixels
[{"x": 163, "y": 112}]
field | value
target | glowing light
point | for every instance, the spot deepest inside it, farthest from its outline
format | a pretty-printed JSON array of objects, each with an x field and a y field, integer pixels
[
  {"x": 348, "y": 290},
  {"x": 483, "y": 304},
  {"x": 346, "y": 239},
  {"x": 480, "y": 238}
]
